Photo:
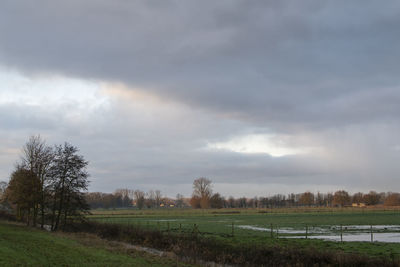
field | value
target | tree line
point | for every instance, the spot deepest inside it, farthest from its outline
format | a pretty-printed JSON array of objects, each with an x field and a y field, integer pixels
[
  {"x": 128, "y": 198},
  {"x": 203, "y": 197},
  {"x": 47, "y": 185}
]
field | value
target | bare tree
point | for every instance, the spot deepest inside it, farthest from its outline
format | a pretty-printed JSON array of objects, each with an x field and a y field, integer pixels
[
  {"x": 3, "y": 187},
  {"x": 124, "y": 194},
  {"x": 358, "y": 198},
  {"x": 231, "y": 202},
  {"x": 216, "y": 201},
  {"x": 341, "y": 198},
  {"x": 179, "y": 200},
  {"x": 37, "y": 157},
  {"x": 139, "y": 198},
  {"x": 69, "y": 179},
  {"x": 202, "y": 191},
  {"x": 158, "y": 198},
  {"x": 372, "y": 198},
  {"x": 319, "y": 200},
  {"x": 151, "y": 199}
]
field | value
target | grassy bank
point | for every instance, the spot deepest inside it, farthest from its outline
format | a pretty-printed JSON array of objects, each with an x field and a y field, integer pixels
[{"x": 23, "y": 246}]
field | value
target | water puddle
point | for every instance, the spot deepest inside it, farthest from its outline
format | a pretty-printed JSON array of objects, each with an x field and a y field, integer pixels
[
  {"x": 364, "y": 237},
  {"x": 359, "y": 233},
  {"x": 281, "y": 230}
]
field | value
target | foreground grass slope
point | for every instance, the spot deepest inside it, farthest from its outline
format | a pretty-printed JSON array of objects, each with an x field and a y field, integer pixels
[{"x": 25, "y": 246}]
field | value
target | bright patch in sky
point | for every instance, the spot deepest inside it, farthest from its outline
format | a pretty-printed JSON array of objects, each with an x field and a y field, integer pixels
[
  {"x": 259, "y": 143},
  {"x": 49, "y": 91}
]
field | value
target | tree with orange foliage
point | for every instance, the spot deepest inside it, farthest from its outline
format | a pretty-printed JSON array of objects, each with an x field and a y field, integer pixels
[
  {"x": 307, "y": 199},
  {"x": 393, "y": 199}
]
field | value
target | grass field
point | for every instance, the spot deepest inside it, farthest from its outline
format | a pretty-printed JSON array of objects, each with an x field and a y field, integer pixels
[
  {"x": 23, "y": 246},
  {"x": 286, "y": 224}
]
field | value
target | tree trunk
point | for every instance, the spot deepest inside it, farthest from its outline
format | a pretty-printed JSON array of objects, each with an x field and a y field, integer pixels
[
  {"x": 53, "y": 212},
  {"x": 66, "y": 211},
  {"x": 35, "y": 213},
  {"x": 42, "y": 203},
  {"x": 60, "y": 206},
  {"x": 28, "y": 217}
]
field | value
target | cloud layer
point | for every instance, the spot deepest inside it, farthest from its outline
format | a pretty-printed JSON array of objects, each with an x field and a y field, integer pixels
[{"x": 144, "y": 88}]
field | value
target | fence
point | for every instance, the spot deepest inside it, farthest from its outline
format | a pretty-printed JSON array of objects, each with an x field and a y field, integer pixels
[{"x": 340, "y": 233}]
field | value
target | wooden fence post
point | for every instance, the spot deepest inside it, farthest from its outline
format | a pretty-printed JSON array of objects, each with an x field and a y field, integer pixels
[
  {"x": 341, "y": 233},
  {"x": 195, "y": 229},
  {"x": 277, "y": 231},
  {"x": 306, "y": 231},
  {"x": 372, "y": 235},
  {"x": 272, "y": 231}
]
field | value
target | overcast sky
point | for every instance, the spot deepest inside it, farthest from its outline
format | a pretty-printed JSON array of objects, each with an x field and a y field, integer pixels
[{"x": 262, "y": 97}]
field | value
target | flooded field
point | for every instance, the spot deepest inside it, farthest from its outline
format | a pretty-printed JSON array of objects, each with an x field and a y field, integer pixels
[
  {"x": 345, "y": 233},
  {"x": 323, "y": 228}
]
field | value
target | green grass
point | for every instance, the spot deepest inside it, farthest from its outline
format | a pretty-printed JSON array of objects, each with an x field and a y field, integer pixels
[
  {"x": 23, "y": 246},
  {"x": 218, "y": 224}
]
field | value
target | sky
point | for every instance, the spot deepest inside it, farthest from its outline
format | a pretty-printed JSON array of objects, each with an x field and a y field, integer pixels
[{"x": 261, "y": 97}]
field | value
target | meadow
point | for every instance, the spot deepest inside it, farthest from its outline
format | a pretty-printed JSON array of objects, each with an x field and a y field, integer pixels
[{"x": 282, "y": 227}]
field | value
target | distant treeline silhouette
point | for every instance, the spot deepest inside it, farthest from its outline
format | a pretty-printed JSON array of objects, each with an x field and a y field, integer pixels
[{"x": 203, "y": 197}]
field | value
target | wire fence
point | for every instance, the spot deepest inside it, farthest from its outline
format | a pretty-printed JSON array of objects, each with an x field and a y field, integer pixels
[{"x": 226, "y": 229}]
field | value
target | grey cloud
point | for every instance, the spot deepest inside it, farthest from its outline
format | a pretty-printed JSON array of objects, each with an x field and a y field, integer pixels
[
  {"x": 275, "y": 64},
  {"x": 326, "y": 70},
  {"x": 125, "y": 151}
]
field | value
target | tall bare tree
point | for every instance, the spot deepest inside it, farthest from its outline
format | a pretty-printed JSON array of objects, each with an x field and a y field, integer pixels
[
  {"x": 202, "y": 191},
  {"x": 37, "y": 157}
]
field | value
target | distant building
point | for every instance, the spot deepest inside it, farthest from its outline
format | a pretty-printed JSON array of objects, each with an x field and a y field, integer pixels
[{"x": 358, "y": 205}]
